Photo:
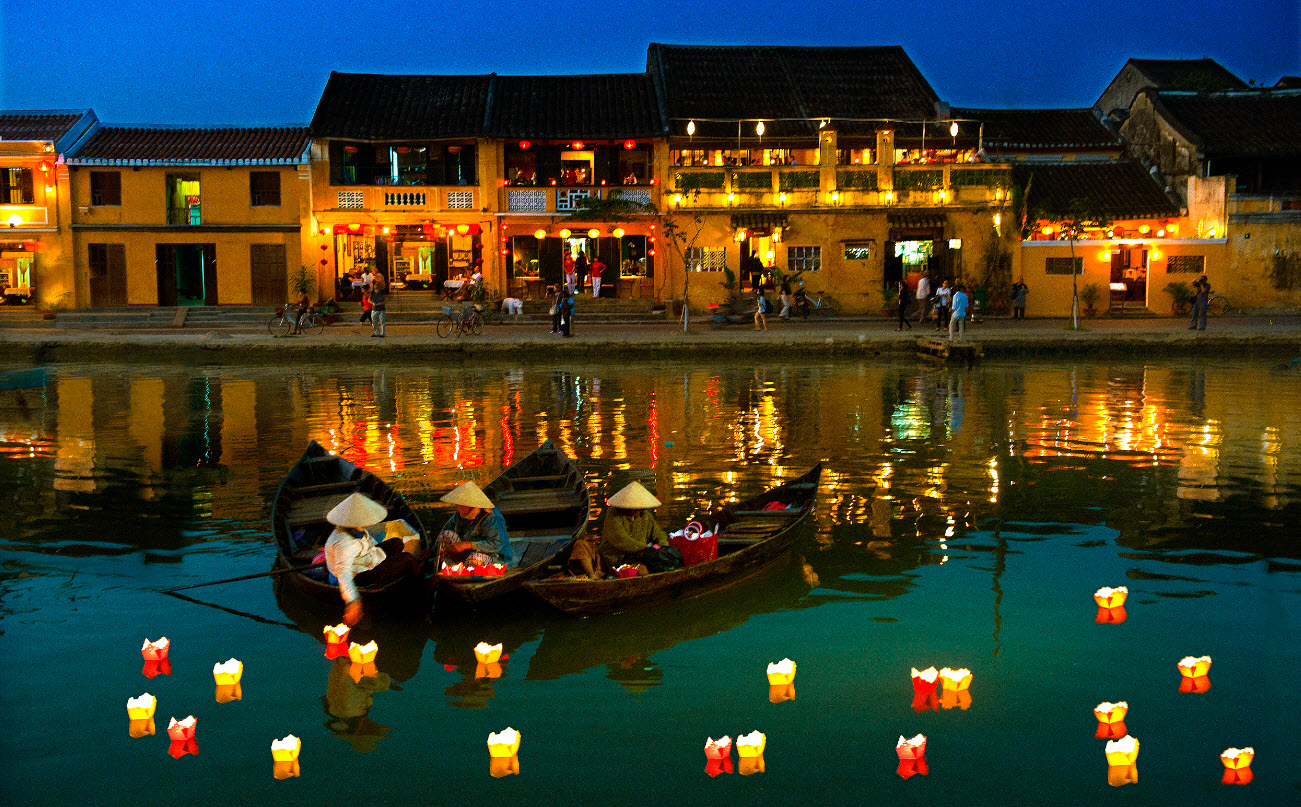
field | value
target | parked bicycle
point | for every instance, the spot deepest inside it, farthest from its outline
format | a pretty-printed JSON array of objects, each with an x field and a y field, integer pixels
[
  {"x": 282, "y": 324},
  {"x": 1218, "y": 305},
  {"x": 819, "y": 303},
  {"x": 464, "y": 322},
  {"x": 491, "y": 313}
]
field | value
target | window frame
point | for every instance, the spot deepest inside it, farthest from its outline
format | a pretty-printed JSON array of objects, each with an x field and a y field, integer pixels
[
  {"x": 259, "y": 197},
  {"x": 706, "y": 259},
  {"x": 1172, "y": 261},
  {"x": 102, "y": 196},
  {"x": 795, "y": 262},
  {"x": 16, "y": 181},
  {"x": 1049, "y": 262}
]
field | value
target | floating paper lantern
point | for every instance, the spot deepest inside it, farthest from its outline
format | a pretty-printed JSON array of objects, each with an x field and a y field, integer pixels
[
  {"x": 714, "y": 767},
  {"x": 1190, "y": 667},
  {"x": 908, "y": 768},
  {"x": 911, "y": 749},
  {"x": 955, "y": 699},
  {"x": 751, "y": 745},
  {"x": 1110, "y": 597},
  {"x": 1123, "y": 751},
  {"x": 155, "y": 651},
  {"x": 286, "y": 750},
  {"x": 336, "y": 649},
  {"x": 1108, "y": 712},
  {"x": 718, "y": 749},
  {"x": 1237, "y": 758},
  {"x": 925, "y": 680},
  {"x": 503, "y": 766},
  {"x": 487, "y": 653},
  {"x": 1121, "y": 775},
  {"x": 489, "y": 671},
  {"x": 1111, "y": 731},
  {"x": 358, "y": 671},
  {"x": 1237, "y": 776},
  {"x": 228, "y": 672},
  {"x": 1111, "y": 616},
  {"x": 955, "y": 680},
  {"x": 504, "y": 744},
  {"x": 228, "y": 693},
  {"x": 780, "y": 693},
  {"x": 362, "y": 653},
  {"x": 781, "y": 672},
  {"x": 142, "y": 707},
  {"x": 336, "y": 634},
  {"x": 155, "y": 668},
  {"x": 286, "y": 770},
  {"x": 141, "y": 727},
  {"x": 1199, "y": 685},
  {"x": 179, "y": 748},
  {"x": 925, "y": 701},
  {"x": 751, "y": 765},
  {"x": 182, "y": 729}
]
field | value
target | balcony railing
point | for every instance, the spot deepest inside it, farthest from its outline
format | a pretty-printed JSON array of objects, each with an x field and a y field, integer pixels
[
  {"x": 353, "y": 197},
  {"x": 555, "y": 199}
]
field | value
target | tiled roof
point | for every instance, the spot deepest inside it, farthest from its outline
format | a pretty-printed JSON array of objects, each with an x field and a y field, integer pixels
[
  {"x": 1026, "y": 129},
  {"x": 365, "y": 106},
  {"x": 37, "y": 125},
  {"x": 593, "y": 106},
  {"x": 1188, "y": 74},
  {"x": 1115, "y": 190},
  {"x": 1236, "y": 123},
  {"x": 114, "y": 145},
  {"x": 1288, "y": 83},
  {"x": 775, "y": 83}
]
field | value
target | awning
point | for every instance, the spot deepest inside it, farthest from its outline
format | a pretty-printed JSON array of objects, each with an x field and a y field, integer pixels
[
  {"x": 916, "y": 221},
  {"x": 758, "y": 221}
]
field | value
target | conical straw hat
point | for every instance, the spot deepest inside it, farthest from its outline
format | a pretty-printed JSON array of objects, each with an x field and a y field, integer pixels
[
  {"x": 357, "y": 511},
  {"x": 468, "y": 495},
  {"x": 634, "y": 497}
]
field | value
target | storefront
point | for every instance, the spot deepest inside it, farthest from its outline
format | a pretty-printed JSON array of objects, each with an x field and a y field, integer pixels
[
  {"x": 411, "y": 256},
  {"x": 17, "y": 259},
  {"x": 534, "y": 253}
]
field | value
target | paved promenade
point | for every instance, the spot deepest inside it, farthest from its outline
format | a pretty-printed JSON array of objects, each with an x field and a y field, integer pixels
[{"x": 1227, "y": 337}]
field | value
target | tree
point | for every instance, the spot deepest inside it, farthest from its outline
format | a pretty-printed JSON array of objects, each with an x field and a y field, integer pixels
[{"x": 1079, "y": 216}]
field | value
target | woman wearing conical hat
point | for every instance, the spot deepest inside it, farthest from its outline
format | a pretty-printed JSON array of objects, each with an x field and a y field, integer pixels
[
  {"x": 629, "y": 534},
  {"x": 355, "y": 559},
  {"x": 476, "y": 534}
]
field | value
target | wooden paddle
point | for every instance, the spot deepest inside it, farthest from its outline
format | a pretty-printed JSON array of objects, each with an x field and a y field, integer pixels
[{"x": 272, "y": 573}]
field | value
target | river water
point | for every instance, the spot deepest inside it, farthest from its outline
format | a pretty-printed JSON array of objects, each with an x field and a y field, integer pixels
[{"x": 965, "y": 519}]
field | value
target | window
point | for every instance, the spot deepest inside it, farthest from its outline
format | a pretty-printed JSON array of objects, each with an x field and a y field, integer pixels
[
  {"x": 16, "y": 186},
  {"x": 1192, "y": 264},
  {"x": 858, "y": 252},
  {"x": 852, "y": 156},
  {"x": 1062, "y": 266},
  {"x": 706, "y": 259},
  {"x": 803, "y": 259},
  {"x": 106, "y": 188},
  {"x": 183, "y": 200},
  {"x": 524, "y": 256},
  {"x": 264, "y": 188}
]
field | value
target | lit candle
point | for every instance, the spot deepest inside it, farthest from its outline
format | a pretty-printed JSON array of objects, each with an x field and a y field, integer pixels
[
  {"x": 718, "y": 749},
  {"x": 1110, "y": 597},
  {"x": 228, "y": 673},
  {"x": 955, "y": 680},
  {"x": 1123, "y": 751},
  {"x": 1190, "y": 667},
  {"x": 362, "y": 653},
  {"x": 334, "y": 634},
  {"x": 487, "y": 653},
  {"x": 142, "y": 707},
  {"x": 286, "y": 750},
  {"x": 504, "y": 744},
  {"x": 750, "y": 745},
  {"x": 182, "y": 729},
  {"x": 1108, "y": 712},
  {"x": 911, "y": 749},
  {"x": 1237, "y": 758},
  {"x": 781, "y": 672},
  {"x": 155, "y": 651}
]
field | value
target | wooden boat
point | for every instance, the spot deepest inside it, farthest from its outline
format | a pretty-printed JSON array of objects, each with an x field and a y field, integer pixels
[
  {"x": 751, "y": 538},
  {"x": 545, "y": 501},
  {"x": 318, "y": 482}
]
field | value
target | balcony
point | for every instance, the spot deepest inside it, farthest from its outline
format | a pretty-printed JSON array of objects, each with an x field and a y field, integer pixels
[
  {"x": 390, "y": 199},
  {"x": 557, "y": 199}
]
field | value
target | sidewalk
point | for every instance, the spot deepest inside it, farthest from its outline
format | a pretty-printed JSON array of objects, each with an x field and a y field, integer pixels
[{"x": 1277, "y": 336}]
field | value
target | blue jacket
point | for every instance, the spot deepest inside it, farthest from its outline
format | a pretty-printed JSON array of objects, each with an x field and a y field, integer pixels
[{"x": 487, "y": 534}]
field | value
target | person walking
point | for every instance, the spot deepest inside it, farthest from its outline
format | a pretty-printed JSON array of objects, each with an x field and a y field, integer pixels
[
  {"x": 1201, "y": 299},
  {"x": 760, "y": 310},
  {"x": 958, "y": 321},
  {"x": 378, "y": 297},
  {"x": 569, "y": 272},
  {"x": 580, "y": 271},
  {"x": 923, "y": 297},
  {"x": 901, "y": 300},
  {"x": 567, "y": 313},
  {"x": 1019, "y": 291},
  {"x": 786, "y": 301},
  {"x": 554, "y": 295},
  {"x": 943, "y": 305},
  {"x": 598, "y": 266}
]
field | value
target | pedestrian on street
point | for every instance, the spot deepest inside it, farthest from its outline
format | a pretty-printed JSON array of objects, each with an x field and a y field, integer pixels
[
  {"x": 958, "y": 321},
  {"x": 760, "y": 310},
  {"x": 943, "y": 306},
  {"x": 598, "y": 266},
  {"x": 567, "y": 313},
  {"x": 1201, "y": 299},
  {"x": 554, "y": 296},
  {"x": 378, "y": 297},
  {"x": 901, "y": 300},
  {"x": 580, "y": 271},
  {"x": 923, "y": 297},
  {"x": 1019, "y": 291}
]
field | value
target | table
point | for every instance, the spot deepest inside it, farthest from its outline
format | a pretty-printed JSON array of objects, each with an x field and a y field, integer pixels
[{"x": 451, "y": 288}]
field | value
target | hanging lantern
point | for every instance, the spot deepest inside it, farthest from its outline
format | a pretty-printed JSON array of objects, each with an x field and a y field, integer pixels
[
  {"x": 577, "y": 145},
  {"x": 350, "y": 149},
  {"x": 1190, "y": 667},
  {"x": 504, "y": 744},
  {"x": 618, "y": 232},
  {"x": 718, "y": 749},
  {"x": 953, "y": 129},
  {"x": 1123, "y": 751},
  {"x": 334, "y": 634},
  {"x": 539, "y": 234},
  {"x": 142, "y": 707},
  {"x": 362, "y": 653},
  {"x": 781, "y": 672},
  {"x": 955, "y": 680},
  {"x": 462, "y": 229},
  {"x": 487, "y": 653},
  {"x": 453, "y": 149},
  {"x": 911, "y": 749},
  {"x": 593, "y": 233},
  {"x": 1110, "y": 597},
  {"x": 155, "y": 651},
  {"x": 691, "y": 128},
  {"x": 228, "y": 672},
  {"x": 286, "y": 750},
  {"x": 630, "y": 144},
  {"x": 758, "y": 129},
  {"x": 751, "y": 745},
  {"x": 524, "y": 144},
  {"x": 402, "y": 149},
  {"x": 565, "y": 233}
]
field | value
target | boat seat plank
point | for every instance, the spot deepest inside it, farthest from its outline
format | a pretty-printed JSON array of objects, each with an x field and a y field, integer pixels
[
  {"x": 766, "y": 515},
  {"x": 327, "y": 458},
  {"x": 537, "y": 536},
  {"x": 555, "y": 479},
  {"x": 739, "y": 541},
  {"x": 547, "y": 502},
  {"x": 327, "y": 486},
  {"x": 312, "y": 510}
]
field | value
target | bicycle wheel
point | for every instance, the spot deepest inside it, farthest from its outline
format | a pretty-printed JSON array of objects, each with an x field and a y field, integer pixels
[
  {"x": 286, "y": 326},
  {"x": 1218, "y": 306},
  {"x": 830, "y": 306},
  {"x": 475, "y": 326},
  {"x": 494, "y": 316},
  {"x": 315, "y": 325},
  {"x": 273, "y": 327},
  {"x": 445, "y": 325}
]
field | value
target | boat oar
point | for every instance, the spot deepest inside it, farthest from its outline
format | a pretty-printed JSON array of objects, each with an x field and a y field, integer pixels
[{"x": 272, "y": 573}]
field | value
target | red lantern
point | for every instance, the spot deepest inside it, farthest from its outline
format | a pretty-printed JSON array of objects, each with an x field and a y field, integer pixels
[
  {"x": 350, "y": 149},
  {"x": 524, "y": 144},
  {"x": 453, "y": 149},
  {"x": 577, "y": 145},
  {"x": 403, "y": 149},
  {"x": 630, "y": 144},
  {"x": 325, "y": 261}
]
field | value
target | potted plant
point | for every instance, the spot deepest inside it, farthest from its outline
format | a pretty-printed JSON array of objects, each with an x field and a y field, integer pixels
[
  {"x": 1180, "y": 293},
  {"x": 1089, "y": 296},
  {"x": 891, "y": 294},
  {"x": 729, "y": 281}
]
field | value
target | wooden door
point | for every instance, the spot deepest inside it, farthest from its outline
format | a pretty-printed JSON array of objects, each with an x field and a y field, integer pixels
[
  {"x": 107, "y": 274},
  {"x": 270, "y": 274},
  {"x": 209, "y": 258}
]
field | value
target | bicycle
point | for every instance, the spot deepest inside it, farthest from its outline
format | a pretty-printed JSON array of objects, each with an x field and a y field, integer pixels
[
  {"x": 818, "y": 304},
  {"x": 282, "y": 324},
  {"x": 465, "y": 321},
  {"x": 492, "y": 314},
  {"x": 1218, "y": 305}
]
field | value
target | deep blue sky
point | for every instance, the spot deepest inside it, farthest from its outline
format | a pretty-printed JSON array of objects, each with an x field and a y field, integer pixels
[{"x": 251, "y": 61}]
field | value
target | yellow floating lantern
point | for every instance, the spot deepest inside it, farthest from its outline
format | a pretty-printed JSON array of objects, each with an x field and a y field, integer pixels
[
  {"x": 142, "y": 707},
  {"x": 1123, "y": 751},
  {"x": 228, "y": 693},
  {"x": 141, "y": 727},
  {"x": 334, "y": 634},
  {"x": 503, "y": 766},
  {"x": 1237, "y": 758},
  {"x": 228, "y": 672},
  {"x": 358, "y": 671},
  {"x": 1108, "y": 712},
  {"x": 1121, "y": 775},
  {"x": 780, "y": 693},
  {"x": 955, "y": 680},
  {"x": 1110, "y": 597},
  {"x": 751, "y": 745},
  {"x": 286, "y": 770},
  {"x": 486, "y": 653},
  {"x": 1190, "y": 667},
  {"x": 490, "y": 671},
  {"x": 504, "y": 744},
  {"x": 286, "y": 750},
  {"x": 362, "y": 653},
  {"x": 955, "y": 699},
  {"x": 750, "y": 765},
  {"x": 781, "y": 672},
  {"x": 155, "y": 651}
]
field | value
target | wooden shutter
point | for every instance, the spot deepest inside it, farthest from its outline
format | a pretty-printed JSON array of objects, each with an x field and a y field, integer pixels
[
  {"x": 107, "y": 274},
  {"x": 270, "y": 274},
  {"x": 264, "y": 188},
  {"x": 28, "y": 192}
]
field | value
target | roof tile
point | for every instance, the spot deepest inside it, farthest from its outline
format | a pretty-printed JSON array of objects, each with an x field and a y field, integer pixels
[
  {"x": 46, "y": 126},
  {"x": 1028, "y": 129},
  {"x": 193, "y": 145},
  {"x": 1115, "y": 190}
]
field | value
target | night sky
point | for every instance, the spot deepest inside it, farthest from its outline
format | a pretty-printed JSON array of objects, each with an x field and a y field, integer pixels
[{"x": 250, "y": 62}]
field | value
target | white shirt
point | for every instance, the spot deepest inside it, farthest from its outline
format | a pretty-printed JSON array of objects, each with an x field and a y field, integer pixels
[
  {"x": 346, "y": 556},
  {"x": 923, "y": 288},
  {"x": 367, "y": 278},
  {"x": 944, "y": 295}
]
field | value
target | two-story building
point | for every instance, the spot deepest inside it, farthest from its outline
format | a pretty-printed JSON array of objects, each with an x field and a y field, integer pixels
[
  {"x": 35, "y": 210},
  {"x": 187, "y": 216}
]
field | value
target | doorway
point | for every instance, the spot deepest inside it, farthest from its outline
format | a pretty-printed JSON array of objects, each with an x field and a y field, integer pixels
[
  {"x": 1129, "y": 278},
  {"x": 187, "y": 274},
  {"x": 907, "y": 261}
]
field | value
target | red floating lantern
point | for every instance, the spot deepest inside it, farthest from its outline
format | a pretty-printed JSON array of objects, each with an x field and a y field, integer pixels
[
  {"x": 155, "y": 651},
  {"x": 1237, "y": 776},
  {"x": 630, "y": 144},
  {"x": 153, "y": 669},
  {"x": 577, "y": 145},
  {"x": 334, "y": 650},
  {"x": 908, "y": 768},
  {"x": 926, "y": 702},
  {"x": 925, "y": 681},
  {"x": 714, "y": 767},
  {"x": 524, "y": 144},
  {"x": 1111, "y": 616},
  {"x": 1198, "y": 686},
  {"x": 1111, "y": 731}
]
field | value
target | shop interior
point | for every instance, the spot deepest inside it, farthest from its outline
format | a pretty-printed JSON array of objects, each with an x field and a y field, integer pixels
[{"x": 581, "y": 163}]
